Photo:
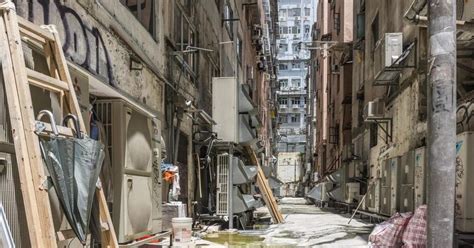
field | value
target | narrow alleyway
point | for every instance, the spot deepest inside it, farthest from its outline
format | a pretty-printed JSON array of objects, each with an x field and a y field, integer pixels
[{"x": 305, "y": 226}]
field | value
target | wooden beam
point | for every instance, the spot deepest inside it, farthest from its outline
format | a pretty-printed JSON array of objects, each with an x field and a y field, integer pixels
[
  {"x": 43, "y": 81},
  {"x": 27, "y": 27},
  {"x": 28, "y": 188},
  {"x": 264, "y": 187}
]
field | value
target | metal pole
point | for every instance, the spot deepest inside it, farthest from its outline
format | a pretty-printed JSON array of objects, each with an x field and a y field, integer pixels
[{"x": 441, "y": 122}]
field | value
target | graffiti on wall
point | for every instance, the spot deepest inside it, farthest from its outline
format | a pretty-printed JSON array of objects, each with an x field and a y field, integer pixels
[{"x": 82, "y": 43}]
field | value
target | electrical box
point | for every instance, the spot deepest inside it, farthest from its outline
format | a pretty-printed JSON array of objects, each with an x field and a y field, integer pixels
[{"x": 420, "y": 177}]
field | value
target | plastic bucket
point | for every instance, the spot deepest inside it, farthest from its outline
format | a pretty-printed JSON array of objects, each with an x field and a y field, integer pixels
[{"x": 182, "y": 229}]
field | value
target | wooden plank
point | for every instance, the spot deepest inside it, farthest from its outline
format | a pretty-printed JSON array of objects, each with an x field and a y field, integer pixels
[
  {"x": 63, "y": 131},
  {"x": 43, "y": 81},
  {"x": 24, "y": 96},
  {"x": 108, "y": 237},
  {"x": 21, "y": 150},
  {"x": 7, "y": 147},
  {"x": 65, "y": 76},
  {"x": 264, "y": 187},
  {"x": 28, "y": 27}
]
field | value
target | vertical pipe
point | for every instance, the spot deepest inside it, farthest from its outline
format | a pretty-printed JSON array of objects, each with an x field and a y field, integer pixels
[
  {"x": 230, "y": 189},
  {"x": 441, "y": 122}
]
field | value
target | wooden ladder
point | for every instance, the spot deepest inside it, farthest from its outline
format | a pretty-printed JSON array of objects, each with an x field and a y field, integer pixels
[
  {"x": 18, "y": 78},
  {"x": 265, "y": 189}
]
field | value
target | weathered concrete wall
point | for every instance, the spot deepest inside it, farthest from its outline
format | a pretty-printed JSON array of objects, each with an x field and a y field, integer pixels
[{"x": 89, "y": 41}]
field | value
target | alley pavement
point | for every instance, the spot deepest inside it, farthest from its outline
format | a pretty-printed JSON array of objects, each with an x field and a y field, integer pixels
[{"x": 309, "y": 226}]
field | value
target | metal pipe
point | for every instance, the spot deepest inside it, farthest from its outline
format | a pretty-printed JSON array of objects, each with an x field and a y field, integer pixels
[
  {"x": 441, "y": 123},
  {"x": 414, "y": 10}
]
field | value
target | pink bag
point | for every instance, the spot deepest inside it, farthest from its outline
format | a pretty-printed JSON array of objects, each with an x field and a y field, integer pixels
[
  {"x": 415, "y": 233},
  {"x": 389, "y": 233}
]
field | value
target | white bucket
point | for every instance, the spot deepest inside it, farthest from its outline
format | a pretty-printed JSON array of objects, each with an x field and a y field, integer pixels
[{"x": 182, "y": 229}]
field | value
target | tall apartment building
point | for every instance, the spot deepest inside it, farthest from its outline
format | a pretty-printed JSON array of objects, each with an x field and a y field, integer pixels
[{"x": 295, "y": 19}]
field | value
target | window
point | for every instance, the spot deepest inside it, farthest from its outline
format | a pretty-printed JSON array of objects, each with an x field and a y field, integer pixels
[
  {"x": 282, "y": 12},
  {"x": 283, "y": 118},
  {"x": 283, "y": 83},
  {"x": 296, "y": 47},
  {"x": 296, "y": 82},
  {"x": 283, "y": 66},
  {"x": 295, "y": 118},
  {"x": 294, "y": 12},
  {"x": 295, "y": 101},
  {"x": 283, "y": 101},
  {"x": 375, "y": 31},
  {"x": 144, "y": 11},
  {"x": 294, "y": 30},
  {"x": 283, "y": 47},
  {"x": 229, "y": 24},
  {"x": 306, "y": 29},
  {"x": 295, "y": 65},
  {"x": 307, "y": 11},
  {"x": 184, "y": 36}
]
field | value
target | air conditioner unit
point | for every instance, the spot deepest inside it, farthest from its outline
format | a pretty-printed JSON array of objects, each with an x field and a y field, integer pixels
[
  {"x": 420, "y": 178},
  {"x": 295, "y": 106},
  {"x": 387, "y": 51},
  {"x": 465, "y": 10},
  {"x": 232, "y": 118},
  {"x": 283, "y": 106},
  {"x": 352, "y": 192},
  {"x": 374, "y": 110},
  {"x": 133, "y": 142},
  {"x": 222, "y": 186},
  {"x": 464, "y": 205}
]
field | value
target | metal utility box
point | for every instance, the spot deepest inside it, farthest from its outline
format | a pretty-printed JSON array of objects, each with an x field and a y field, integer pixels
[
  {"x": 395, "y": 173},
  {"x": 407, "y": 197},
  {"x": 233, "y": 111},
  {"x": 420, "y": 177},
  {"x": 464, "y": 184},
  {"x": 373, "y": 198},
  {"x": 385, "y": 201},
  {"x": 408, "y": 168},
  {"x": 385, "y": 174}
]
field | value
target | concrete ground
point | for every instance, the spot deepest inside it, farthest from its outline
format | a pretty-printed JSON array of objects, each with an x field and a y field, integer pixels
[
  {"x": 305, "y": 226},
  {"x": 309, "y": 226}
]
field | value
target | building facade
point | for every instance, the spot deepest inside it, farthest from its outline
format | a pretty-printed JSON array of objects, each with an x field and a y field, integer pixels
[
  {"x": 160, "y": 58},
  {"x": 295, "y": 20}
]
